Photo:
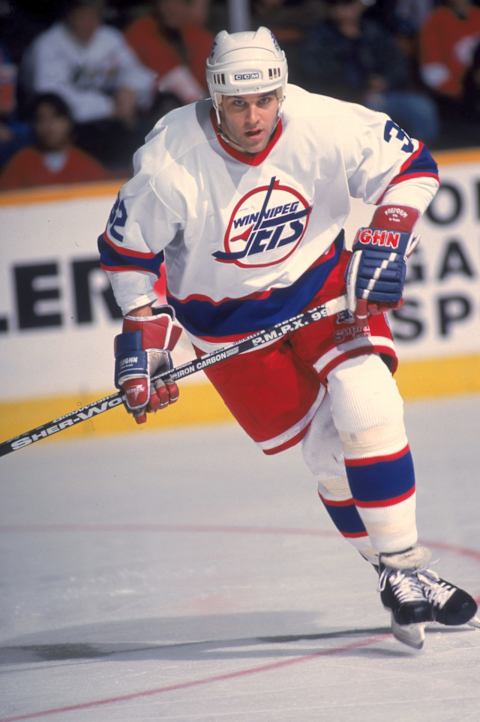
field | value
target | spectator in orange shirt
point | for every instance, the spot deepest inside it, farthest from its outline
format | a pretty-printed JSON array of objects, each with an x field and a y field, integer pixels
[
  {"x": 53, "y": 159},
  {"x": 447, "y": 42},
  {"x": 172, "y": 41}
]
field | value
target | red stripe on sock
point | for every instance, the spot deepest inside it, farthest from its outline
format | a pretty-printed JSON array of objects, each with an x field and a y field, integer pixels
[
  {"x": 386, "y": 502},
  {"x": 365, "y": 461}
]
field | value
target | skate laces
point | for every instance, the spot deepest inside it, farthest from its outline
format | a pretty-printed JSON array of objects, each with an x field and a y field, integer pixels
[
  {"x": 406, "y": 587},
  {"x": 436, "y": 590}
]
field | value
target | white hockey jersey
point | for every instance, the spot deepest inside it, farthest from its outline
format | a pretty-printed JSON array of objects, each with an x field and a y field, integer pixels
[{"x": 249, "y": 240}]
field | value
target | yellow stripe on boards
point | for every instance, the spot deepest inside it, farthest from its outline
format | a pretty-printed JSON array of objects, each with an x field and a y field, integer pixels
[
  {"x": 447, "y": 376},
  {"x": 50, "y": 194},
  {"x": 200, "y": 403},
  {"x": 454, "y": 157}
]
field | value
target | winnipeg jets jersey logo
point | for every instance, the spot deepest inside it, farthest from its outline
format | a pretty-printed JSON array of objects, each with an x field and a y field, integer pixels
[{"x": 265, "y": 227}]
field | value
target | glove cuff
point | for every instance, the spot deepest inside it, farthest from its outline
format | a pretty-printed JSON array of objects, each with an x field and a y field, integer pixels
[
  {"x": 395, "y": 218},
  {"x": 159, "y": 330},
  {"x": 130, "y": 360}
]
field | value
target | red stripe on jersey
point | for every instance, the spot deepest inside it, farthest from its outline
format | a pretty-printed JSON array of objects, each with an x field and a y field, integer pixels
[
  {"x": 398, "y": 178},
  {"x": 377, "y": 349},
  {"x": 412, "y": 157},
  {"x": 127, "y": 251},
  {"x": 287, "y": 444},
  {"x": 423, "y": 174},
  {"x": 120, "y": 269}
]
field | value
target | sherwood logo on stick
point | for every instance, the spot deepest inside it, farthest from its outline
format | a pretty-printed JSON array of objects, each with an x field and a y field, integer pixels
[
  {"x": 64, "y": 422},
  {"x": 334, "y": 306}
]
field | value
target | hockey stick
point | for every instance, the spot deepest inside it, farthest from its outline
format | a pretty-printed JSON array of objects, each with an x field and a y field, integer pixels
[{"x": 95, "y": 408}]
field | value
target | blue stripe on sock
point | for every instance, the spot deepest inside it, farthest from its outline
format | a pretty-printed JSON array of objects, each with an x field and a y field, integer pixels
[
  {"x": 345, "y": 517},
  {"x": 382, "y": 480}
]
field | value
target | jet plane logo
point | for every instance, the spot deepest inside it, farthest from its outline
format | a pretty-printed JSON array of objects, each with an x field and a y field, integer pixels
[{"x": 266, "y": 226}]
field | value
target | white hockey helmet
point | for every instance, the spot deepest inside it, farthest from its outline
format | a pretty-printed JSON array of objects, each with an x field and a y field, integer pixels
[{"x": 244, "y": 63}]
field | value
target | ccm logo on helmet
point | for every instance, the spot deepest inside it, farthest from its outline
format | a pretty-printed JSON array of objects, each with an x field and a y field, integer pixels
[
  {"x": 376, "y": 237},
  {"x": 247, "y": 76}
]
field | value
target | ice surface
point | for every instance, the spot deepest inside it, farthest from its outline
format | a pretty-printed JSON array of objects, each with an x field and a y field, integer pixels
[{"x": 185, "y": 576}]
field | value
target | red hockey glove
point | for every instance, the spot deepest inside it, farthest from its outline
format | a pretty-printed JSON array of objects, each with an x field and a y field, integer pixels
[
  {"x": 376, "y": 271},
  {"x": 141, "y": 352}
]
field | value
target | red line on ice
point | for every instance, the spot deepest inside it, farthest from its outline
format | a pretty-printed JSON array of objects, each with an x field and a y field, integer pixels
[
  {"x": 202, "y": 529},
  {"x": 198, "y": 682},
  {"x": 461, "y": 551}
]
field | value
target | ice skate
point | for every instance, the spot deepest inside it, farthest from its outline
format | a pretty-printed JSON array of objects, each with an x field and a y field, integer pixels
[
  {"x": 450, "y": 605},
  {"x": 402, "y": 593}
]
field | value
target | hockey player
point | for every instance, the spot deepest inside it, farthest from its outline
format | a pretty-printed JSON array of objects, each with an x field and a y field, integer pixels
[{"x": 244, "y": 197}]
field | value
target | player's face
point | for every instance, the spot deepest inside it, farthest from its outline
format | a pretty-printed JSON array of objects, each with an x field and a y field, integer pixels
[{"x": 249, "y": 120}]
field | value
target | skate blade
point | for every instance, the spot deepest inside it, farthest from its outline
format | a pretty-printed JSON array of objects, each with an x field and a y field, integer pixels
[
  {"x": 474, "y": 622},
  {"x": 413, "y": 635}
]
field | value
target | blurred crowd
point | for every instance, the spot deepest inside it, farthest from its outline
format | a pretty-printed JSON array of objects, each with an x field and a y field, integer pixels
[{"x": 83, "y": 81}]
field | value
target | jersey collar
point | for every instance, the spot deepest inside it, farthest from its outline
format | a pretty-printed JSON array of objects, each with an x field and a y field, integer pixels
[{"x": 249, "y": 158}]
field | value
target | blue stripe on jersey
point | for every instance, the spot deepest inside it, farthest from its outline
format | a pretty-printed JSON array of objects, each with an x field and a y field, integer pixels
[
  {"x": 382, "y": 481},
  {"x": 421, "y": 164},
  {"x": 239, "y": 316},
  {"x": 110, "y": 258},
  {"x": 345, "y": 517}
]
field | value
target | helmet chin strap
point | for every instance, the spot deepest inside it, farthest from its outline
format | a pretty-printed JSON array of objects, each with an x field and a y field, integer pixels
[{"x": 231, "y": 142}]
